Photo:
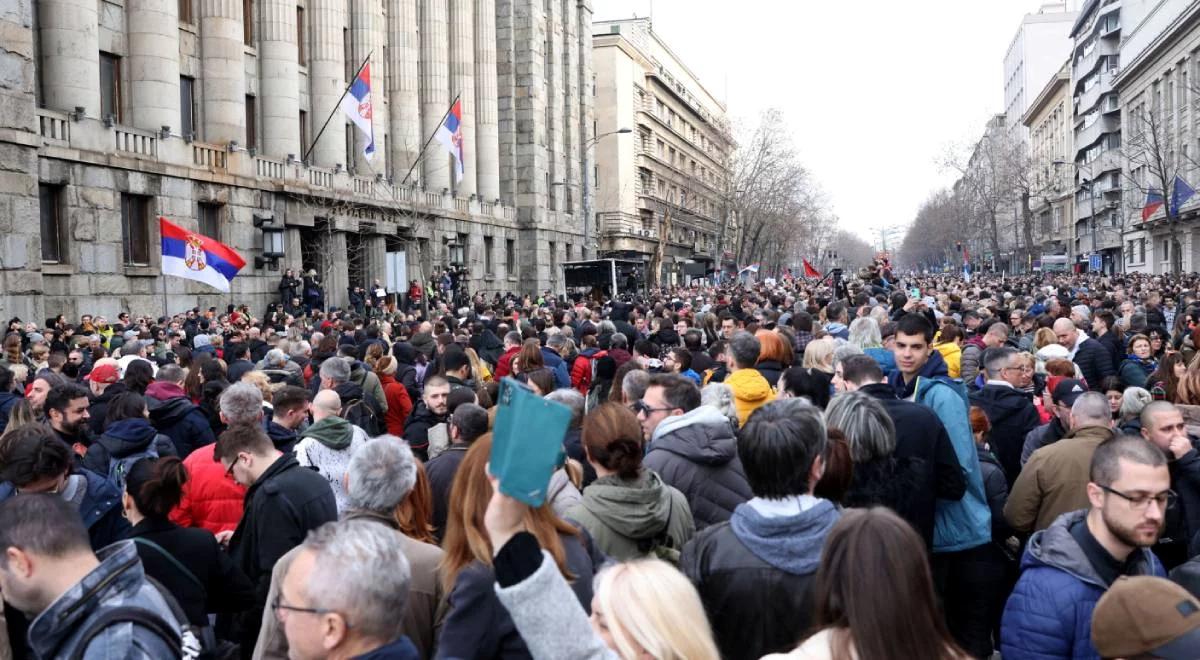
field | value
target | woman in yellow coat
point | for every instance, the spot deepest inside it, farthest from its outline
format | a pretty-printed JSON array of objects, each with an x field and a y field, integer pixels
[{"x": 949, "y": 344}]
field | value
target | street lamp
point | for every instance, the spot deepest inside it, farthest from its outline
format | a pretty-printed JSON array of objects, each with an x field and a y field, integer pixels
[{"x": 587, "y": 188}]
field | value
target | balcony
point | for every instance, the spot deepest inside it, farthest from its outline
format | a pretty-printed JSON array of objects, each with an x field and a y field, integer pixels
[
  {"x": 89, "y": 140},
  {"x": 1086, "y": 136}
]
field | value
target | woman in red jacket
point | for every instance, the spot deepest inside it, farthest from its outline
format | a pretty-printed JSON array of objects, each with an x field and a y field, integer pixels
[{"x": 398, "y": 402}]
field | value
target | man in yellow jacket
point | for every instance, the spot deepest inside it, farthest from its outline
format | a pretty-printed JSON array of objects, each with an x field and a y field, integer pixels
[{"x": 750, "y": 389}]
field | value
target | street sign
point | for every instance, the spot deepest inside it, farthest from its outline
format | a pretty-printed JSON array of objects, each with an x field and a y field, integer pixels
[{"x": 1095, "y": 262}]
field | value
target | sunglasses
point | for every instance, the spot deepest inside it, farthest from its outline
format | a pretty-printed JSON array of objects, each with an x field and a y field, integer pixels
[{"x": 641, "y": 407}]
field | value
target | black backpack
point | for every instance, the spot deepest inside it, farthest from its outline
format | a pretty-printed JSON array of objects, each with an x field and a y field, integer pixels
[{"x": 363, "y": 415}]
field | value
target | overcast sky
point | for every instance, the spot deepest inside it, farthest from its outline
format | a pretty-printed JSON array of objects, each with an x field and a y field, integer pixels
[{"x": 873, "y": 92}]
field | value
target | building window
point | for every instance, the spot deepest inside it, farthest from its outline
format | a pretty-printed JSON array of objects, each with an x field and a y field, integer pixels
[
  {"x": 248, "y": 22},
  {"x": 210, "y": 220},
  {"x": 488, "y": 263},
  {"x": 185, "y": 11},
  {"x": 187, "y": 106},
  {"x": 553, "y": 260},
  {"x": 301, "y": 57},
  {"x": 135, "y": 229},
  {"x": 53, "y": 223},
  {"x": 251, "y": 123},
  {"x": 510, "y": 256},
  {"x": 110, "y": 86},
  {"x": 303, "y": 134},
  {"x": 570, "y": 249}
]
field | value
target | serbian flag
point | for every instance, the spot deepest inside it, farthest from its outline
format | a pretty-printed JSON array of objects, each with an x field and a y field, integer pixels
[
  {"x": 357, "y": 105},
  {"x": 450, "y": 135},
  {"x": 1154, "y": 201},
  {"x": 194, "y": 257},
  {"x": 1181, "y": 192},
  {"x": 809, "y": 271}
]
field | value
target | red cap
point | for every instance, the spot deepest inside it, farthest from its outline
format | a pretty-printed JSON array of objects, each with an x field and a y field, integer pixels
[{"x": 105, "y": 373}]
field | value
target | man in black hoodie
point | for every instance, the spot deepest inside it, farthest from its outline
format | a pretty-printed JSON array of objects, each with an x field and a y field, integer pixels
[
  {"x": 290, "y": 407},
  {"x": 431, "y": 411},
  {"x": 1009, "y": 410},
  {"x": 105, "y": 385}
]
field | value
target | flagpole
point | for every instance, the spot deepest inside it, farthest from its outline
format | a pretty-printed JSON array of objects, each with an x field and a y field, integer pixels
[
  {"x": 337, "y": 106},
  {"x": 425, "y": 146},
  {"x": 164, "y": 291}
]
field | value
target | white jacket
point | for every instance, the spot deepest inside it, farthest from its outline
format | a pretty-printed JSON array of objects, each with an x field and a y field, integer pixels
[{"x": 331, "y": 463}]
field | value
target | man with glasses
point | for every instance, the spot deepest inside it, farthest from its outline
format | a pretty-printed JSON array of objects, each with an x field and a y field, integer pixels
[
  {"x": 284, "y": 502},
  {"x": 1163, "y": 426},
  {"x": 1069, "y": 565},
  {"x": 1052, "y": 482},
  {"x": 1009, "y": 410}
]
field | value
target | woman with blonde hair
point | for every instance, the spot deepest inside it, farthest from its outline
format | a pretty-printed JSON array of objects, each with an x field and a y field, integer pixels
[{"x": 819, "y": 354}]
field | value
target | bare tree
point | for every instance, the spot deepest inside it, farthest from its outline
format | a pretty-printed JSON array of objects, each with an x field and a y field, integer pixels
[
  {"x": 994, "y": 177},
  {"x": 933, "y": 237},
  {"x": 1154, "y": 159}
]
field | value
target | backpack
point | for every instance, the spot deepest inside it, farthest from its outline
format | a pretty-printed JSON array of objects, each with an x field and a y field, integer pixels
[
  {"x": 119, "y": 467},
  {"x": 360, "y": 413},
  {"x": 661, "y": 546},
  {"x": 586, "y": 372},
  {"x": 185, "y": 639},
  {"x": 209, "y": 647}
]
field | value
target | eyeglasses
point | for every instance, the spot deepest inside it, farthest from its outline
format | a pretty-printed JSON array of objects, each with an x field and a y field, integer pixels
[
  {"x": 229, "y": 470},
  {"x": 278, "y": 604},
  {"x": 641, "y": 407},
  {"x": 1141, "y": 502}
]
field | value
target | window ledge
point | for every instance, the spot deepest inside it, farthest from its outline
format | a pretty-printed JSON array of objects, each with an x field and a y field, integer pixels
[
  {"x": 57, "y": 269},
  {"x": 141, "y": 271}
]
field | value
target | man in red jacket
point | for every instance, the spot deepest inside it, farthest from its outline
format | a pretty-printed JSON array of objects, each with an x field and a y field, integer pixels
[{"x": 512, "y": 346}]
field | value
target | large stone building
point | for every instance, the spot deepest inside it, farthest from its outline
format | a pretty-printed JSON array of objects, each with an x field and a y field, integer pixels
[
  {"x": 662, "y": 155},
  {"x": 205, "y": 111},
  {"x": 1160, "y": 67},
  {"x": 1049, "y": 122},
  {"x": 1095, "y": 61}
]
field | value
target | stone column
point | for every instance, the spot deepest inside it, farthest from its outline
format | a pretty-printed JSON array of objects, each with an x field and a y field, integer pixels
[
  {"x": 572, "y": 86},
  {"x": 362, "y": 42},
  {"x": 339, "y": 277},
  {"x": 278, "y": 79},
  {"x": 487, "y": 146},
  {"x": 223, "y": 49},
  {"x": 380, "y": 90},
  {"x": 70, "y": 46},
  {"x": 554, "y": 100},
  {"x": 154, "y": 63},
  {"x": 435, "y": 95},
  {"x": 586, "y": 118},
  {"x": 327, "y": 76},
  {"x": 462, "y": 83},
  {"x": 404, "y": 47}
]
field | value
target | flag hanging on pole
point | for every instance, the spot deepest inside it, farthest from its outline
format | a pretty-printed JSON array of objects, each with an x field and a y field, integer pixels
[
  {"x": 356, "y": 103},
  {"x": 194, "y": 257},
  {"x": 450, "y": 135},
  {"x": 1181, "y": 192},
  {"x": 1154, "y": 201},
  {"x": 809, "y": 271}
]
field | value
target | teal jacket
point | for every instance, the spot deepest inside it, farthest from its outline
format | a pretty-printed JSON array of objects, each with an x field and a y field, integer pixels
[{"x": 966, "y": 523}]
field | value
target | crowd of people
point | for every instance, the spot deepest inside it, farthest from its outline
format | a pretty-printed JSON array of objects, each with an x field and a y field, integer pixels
[{"x": 904, "y": 467}]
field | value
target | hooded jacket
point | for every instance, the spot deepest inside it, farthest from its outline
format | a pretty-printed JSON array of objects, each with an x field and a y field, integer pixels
[
  {"x": 620, "y": 513},
  {"x": 839, "y": 330},
  {"x": 1049, "y": 614},
  {"x": 399, "y": 404},
  {"x": 416, "y": 429},
  {"x": 1054, "y": 481},
  {"x": 406, "y": 368},
  {"x": 750, "y": 391},
  {"x": 1046, "y": 434},
  {"x": 99, "y": 502},
  {"x": 326, "y": 446},
  {"x": 504, "y": 363},
  {"x": 281, "y": 436},
  {"x": 754, "y": 574},
  {"x": 1012, "y": 416},
  {"x": 696, "y": 453},
  {"x": 369, "y": 382},
  {"x": 488, "y": 346},
  {"x": 952, "y": 354},
  {"x": 98, "y": 408},
  {"x": 8, "y": 400},
  {"x": 118, "y": 581},
  {"x": 175, "y": 416},
  {"x": 966, "y": 523},
  {"x": 125, "y": 438}
]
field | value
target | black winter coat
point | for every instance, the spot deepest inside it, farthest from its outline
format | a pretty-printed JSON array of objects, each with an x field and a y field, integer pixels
[
  {"x": 125, "y": 438},
  {"x": 98, "y": 408},
  {"x": 770, "y": 370},
  {"x": 1012, "y": 416},
  {"x": 1115, "y": 350},
  {"x": 894, "y": 483},
  {"x": 416, "y": 428},
  {"x": 225, "y": 587},
  {"x": 699, "y": 459},
  {"x": 183, "y": 422},
  {"x": 995, "y": 486},
  {"x": 920, "y": 435},
  {"x": 281, "y": 508},
  {"x": 1094, "y": 362}
]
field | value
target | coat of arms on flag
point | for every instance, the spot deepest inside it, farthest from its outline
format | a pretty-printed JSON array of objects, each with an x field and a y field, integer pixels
[
  {"x": 450, "y": 135},
  {"x": 356, "y": 103},
  {"x": 195, "y": 257}
]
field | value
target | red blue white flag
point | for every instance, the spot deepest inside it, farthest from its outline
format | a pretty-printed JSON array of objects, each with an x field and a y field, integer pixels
[
  {"x": 450, "y": 135},
  {"x": 357, "y": 106},
  {"x": 194, "y": 257}
]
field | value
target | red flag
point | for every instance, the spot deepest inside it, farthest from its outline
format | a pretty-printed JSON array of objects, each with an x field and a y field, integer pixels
[{"x": 809, "y": 271}]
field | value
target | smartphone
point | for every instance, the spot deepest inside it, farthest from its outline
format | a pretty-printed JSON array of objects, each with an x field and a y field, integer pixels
[
  {"x": 527, "y": 442},
  {"x": 914, "y": 292}
]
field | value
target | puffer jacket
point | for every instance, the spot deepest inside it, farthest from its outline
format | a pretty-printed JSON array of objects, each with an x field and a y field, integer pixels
[
  {"x": 8, "y": 401},
  {"x": 210, "y": 499},
  {"x": 754, "y": 574},
  {"x": 1012, "y": 416},
  {"x": 970, "y": 361},
  {"x": 883, "y": 357},
  {"x": 952, "y": 354},
  {"x": 175, "y": 416},
  {"x": 399, "y": 404},
  {"x": 1094, "y": 362},
  {"x": 123, "y": 439},
  {"x": 696, "y": 453},
  {"x": 750, "y": 392},
  {"x": 1049, "y": 614},
  {"x": 625, "y": 517},
  {"x": 118, "y": 581},
  {"x": 99, "y": 505}
]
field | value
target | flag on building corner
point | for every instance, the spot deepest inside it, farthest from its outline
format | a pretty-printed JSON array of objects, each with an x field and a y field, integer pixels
[
  {"x": 1154, "y": 201},
  {"x": 357, "y": 106},
  {"x": 1181, "y": 192},
  {"x": 809, "y": 271},
  {"x": 450, "y": 135},
  {"x": 194, "y": 257}
]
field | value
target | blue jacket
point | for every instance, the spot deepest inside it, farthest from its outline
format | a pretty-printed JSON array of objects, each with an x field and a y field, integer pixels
[
  {"x": 885, "y": 359},
  {"x": 8, "y": 401},
  {"x": 182, "y": 421},
  {"x": 966, "y": 523},
  {"x": 100, "y": 509},
  {"x": 555, "y": 363},
  {"x": 1049, "y": 614}
]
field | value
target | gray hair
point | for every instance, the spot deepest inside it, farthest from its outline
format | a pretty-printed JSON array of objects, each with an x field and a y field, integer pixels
[
  {"x": 618, "y": 340},
  {"x": 1091, "y": 408},
  {"x": 275, "y": 358},
  {"x": 381, "y": 474},
  {"x": 720, "y": 396},
  {"x": 572, "y": 399},
  {"x": 556, "y": 340},
  {"x": 241, "y": 403},
  {"x": 996, "y": 359},
  {"x": 635, "y": 384},
  {"x": 360, "y": 571},
  {"x": 170, "y": 373},
  {"x": 606, "y": 326},
  {"x": 745, "y": 348},
  {"x": 335, "y": 369},
  {"x": 869, "y": 430},
  {"x": 299, "y": 348},
  {"x": 864, "y": 333},
  {"x": 1133, "y": 401},
  {"x": 846, "y": 351}
]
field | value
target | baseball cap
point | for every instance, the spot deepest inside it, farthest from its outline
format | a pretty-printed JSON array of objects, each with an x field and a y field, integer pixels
[
  {"x": 104, "y": 373},
  {"x": 1067, "y": 391},
  {"x": 1147, "y": 615}
]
